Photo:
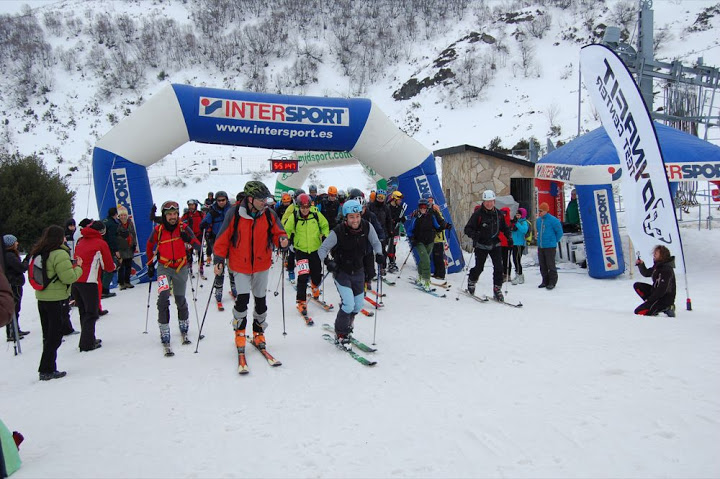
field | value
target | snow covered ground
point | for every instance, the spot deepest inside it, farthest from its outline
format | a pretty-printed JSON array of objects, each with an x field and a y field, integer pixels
[{"x": 571, "y": 385}]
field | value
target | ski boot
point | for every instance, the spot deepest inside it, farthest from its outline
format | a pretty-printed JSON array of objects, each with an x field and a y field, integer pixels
[
  {"x": 425, "y": 284},
  {"x": 497, "y": 294},
  {"x": 168, "y": 350},
  {"x": 315, "y": 291},
  {"x": 343, "y": 339},
  {"x": 670, "y": 312},
  {"x": 220, "y": 306},
  {"x": 240, "y": 340},
  {"x": 185, "y": 339},
  {"x": 471, "y": 286},
  {"x": 392, "y": 267},
  {"x": 258, "y": 340}
]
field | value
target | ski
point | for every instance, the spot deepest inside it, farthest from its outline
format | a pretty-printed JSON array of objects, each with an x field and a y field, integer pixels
[
  {"x": 361, "y": 359},
  {"x": 373, "y": 302},
  {"x": 482, "y": 299},
  {"x": 322, "y": 304},
  {"x": 270, "y": 359},
  {"x": 512, "y": 305},
  {"x": 367, "y": 313},
  {"x": 377, "y": 295},
  {"x": 416, "y": 282},
  {"x": 242, "y": 364},
  {"x": 431, "y": 292},
  {"x": 388, "y": 282},
  {"x": 360, "y": 345},
  {"x": 444, "y": 284},
  {"x": 308, "y": 320}
]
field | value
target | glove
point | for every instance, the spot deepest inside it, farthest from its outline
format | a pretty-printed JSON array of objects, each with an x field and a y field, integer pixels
[
  {"x": 330, "y": 265},
  {"x": 379, "y": 259},
  {"x": 153, "y": 210},
  {"x": 448, "y": 226},
  {"x": 185, "y": 236},
  {"x": 151, "y": 270}
]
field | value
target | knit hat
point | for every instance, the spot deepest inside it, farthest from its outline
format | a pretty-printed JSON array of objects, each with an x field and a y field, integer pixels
[
  {"x": 9, "y": 240},
  {"x": 523, "y": 212},
  {"x": 85, "y": 222},
  {"x": 544, "y": 207},
  {"x": 98, "y": 225}
]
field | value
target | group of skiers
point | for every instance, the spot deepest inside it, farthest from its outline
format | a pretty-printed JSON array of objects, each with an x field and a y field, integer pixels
[{"x": 352, "y": 238}]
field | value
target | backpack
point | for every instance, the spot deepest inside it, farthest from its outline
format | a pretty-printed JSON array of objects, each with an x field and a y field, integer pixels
[
  {"x": 529, "y": 234},
  {"x": 37, "y": 274}
]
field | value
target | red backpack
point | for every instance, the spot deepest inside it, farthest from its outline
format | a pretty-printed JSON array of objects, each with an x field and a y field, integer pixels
[{"x": 37, "y": 274}]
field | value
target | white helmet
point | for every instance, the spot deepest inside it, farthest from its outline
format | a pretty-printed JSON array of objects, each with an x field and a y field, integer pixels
[{"x": 488, "y": 195}]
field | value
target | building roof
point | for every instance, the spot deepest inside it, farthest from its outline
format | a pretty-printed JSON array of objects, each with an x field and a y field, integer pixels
[{"x": 454, "y": 150}]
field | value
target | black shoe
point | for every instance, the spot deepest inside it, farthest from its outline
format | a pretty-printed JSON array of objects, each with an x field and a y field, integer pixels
[
  {"x": 129, "y": 285},
  {"x": 95, "y": 346},
  {"x": 103, "y": 312},
  {"x": 52, "y": 375},
  {"x": 543, "y": 285},
  {"x": 23, "y": 333},
  {"x": 108, "y": 295},
  {"x": 98, "y": 342},
  {"x": 670, "y": 312},
  {"x": 550, "y": 286}
]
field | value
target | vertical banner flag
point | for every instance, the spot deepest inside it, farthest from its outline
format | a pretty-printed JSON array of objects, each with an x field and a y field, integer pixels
[{"x": 650, "y": 215}]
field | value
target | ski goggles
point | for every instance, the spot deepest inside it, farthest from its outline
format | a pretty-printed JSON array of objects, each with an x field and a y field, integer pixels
[{"x": 170, "y": 205}]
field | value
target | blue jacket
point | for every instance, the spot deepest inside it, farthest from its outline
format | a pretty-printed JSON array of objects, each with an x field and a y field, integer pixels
[
  {"x": 549, "y": 231},
  {"x": 215, "y": 217},
  {"x": 518, "y": 234}
]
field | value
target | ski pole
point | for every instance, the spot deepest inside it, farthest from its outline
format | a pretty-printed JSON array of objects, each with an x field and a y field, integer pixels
[
  {"x": 197, "y": 318},
  {"x": 406, "y": 260},
  {"x": 376, "y": 303},
  {"x": 200, "y": 336},
  {"x": 277, "y": 286},
  {"x": 282, "y": 271},
  {"x": 147, "y": 314}
]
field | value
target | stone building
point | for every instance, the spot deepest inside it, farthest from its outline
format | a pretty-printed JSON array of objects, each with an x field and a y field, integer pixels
[{"x": 467, "y": 171}]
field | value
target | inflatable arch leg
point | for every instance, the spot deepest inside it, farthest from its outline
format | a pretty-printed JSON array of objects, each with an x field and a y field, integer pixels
[{"x": 600, "y": 229}]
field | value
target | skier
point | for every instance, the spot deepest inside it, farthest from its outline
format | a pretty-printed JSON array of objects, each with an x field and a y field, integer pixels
[
  {"x": 170, "y": 237},
  {"x": 211, "y": 223},
  {"x": 290, "y": 259},
  {"x": 397, "y": 214},
  {"x": 484, "y": 228},
  {"x": 549, "y": 232},
  {"x": 659, "y": 297},
  {"x": 348, "y": 243},
  {"x": 382, "y": 211},
  {"x": 192, "y": 219},
  {"x": 246, "y": 242},
  {"x": 330, "y": 206},
  {"x": 307, "y": 229},
  {"x": 127, "y": 243},
  {"x": 424, "y": 223},
  {"x": 438, "y": 251},
  {"x": 519, "y": 228},
  {"x": 111, "y": 223}
]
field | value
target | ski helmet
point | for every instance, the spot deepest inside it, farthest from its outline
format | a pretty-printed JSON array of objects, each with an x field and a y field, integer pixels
[
  {"x": 299, "y": 192},
  {"x": 291, "y": 193},
  {"x": 256, "y": 189},
  {"x": 488, "y": 195},
  {"x": 351, "y": 206},
  {"x": 397, "y": 195},
  {"x": 380, "y": 195},
  {"x": 221, "y": 194},
  {"x": 313, "y": 189},
  {"x": 423, "y": 202},
  {"x": 427, "y": 195},
  {"x": 332, "y": 190},
  {"x": 355, "y": 193},
  {"x": 341, "y": 195},
  {"x": 303, "y": 200},
  {"x": 169, "y": 206},
  {"x": 286, "y": 199}
]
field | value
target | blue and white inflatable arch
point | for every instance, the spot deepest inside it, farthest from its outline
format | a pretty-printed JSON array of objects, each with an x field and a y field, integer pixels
[{"x": 181, "y": 113}]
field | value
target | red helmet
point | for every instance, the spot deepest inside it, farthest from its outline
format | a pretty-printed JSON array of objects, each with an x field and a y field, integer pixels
[{"x": 303, "y": 200}]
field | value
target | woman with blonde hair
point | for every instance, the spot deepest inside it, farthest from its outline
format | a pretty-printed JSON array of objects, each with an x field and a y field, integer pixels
[{"x": 126, "y": 241}]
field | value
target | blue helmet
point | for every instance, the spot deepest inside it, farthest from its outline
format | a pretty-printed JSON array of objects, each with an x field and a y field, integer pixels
[
  {"x": 427, "y": 195},
  {"x": 423, "y": 201},
  {"x": 351, "y": 206}
]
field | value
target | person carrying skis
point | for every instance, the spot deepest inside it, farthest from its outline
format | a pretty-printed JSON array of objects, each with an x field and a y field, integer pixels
[
  {"x": 382, "y": 211},
  {"x": 348, "y": 242},
  {"x": 421, "y": 228},
  {"x": 192, "y": 219},
  {"x": 307, "y": 227},
  {"x": 170, "y": 238},
  {"x": 96, "y": 260},
  {"x": 519, "y": 228},
  {"x": 549, "y": 232},
  {"x": 212, "y": 223},
  {"x": 658, "y": 297},
  {"x": 484, "y": 227},
  {"x": 397, "y": 215},
  {"x": 246, "y": 242}
]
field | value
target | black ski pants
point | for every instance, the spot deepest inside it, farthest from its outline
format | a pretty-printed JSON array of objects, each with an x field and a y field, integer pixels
[
  {"x": 650, "y": 307},
  {"x": 51, "y": 317},
  {"x": 87, "y": 299},
  {"x": 480, "y": 257},
  {"x": 313, "y": 273},
  {"x": 548, "y": 270},
  {"x": 438, "y": 260}
]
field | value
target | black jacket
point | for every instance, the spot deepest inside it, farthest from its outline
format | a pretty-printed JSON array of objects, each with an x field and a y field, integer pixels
[
  {"x": 484, "y": 227},
  {"x": 382, "y": 211},
  {"x": 15, "y": 269},
  {"x": 663, "y": 278}
]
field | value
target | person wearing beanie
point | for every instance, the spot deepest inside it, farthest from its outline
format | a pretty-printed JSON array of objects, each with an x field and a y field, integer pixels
[
  {"x": 110, "y": 235},
  {"x": 572, "y": 213},
  {"x": 519, "y": 228},
  {"x": 549, "y": 232},
  {"x": 96, "y": 259},
  {"x": 15, "y": 274},
  {"x": 70, "y": 228}
]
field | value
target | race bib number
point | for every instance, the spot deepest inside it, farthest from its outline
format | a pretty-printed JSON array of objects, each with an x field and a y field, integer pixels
[
  {"x": 303, "y": 266},
  {"x": 163, "y": 283}
]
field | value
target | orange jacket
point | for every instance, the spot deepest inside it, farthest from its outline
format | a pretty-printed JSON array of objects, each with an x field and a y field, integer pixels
[{"x": 246, "y": 242}]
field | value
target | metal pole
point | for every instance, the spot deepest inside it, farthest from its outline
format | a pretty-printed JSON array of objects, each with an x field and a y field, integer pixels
[
  {"x": 197, "y": 345},
  {"x": 147, "y": 314},
  {"x": 377, "y": 300},
  {"x": 282, "y": 270}
]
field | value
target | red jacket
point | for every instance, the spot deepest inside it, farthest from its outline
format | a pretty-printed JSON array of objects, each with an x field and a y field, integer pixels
[
  {"x": 170, "y": 243},
  {"x": 250, "y": 251},
  {"x": 506, "y": 216},
  {"x": 95, "y": 254},
  {"x": 192, "y": 219}
]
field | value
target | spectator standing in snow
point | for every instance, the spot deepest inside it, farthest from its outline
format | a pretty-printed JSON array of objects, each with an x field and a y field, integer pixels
[
  {"x": 549, "y": 232},
  {"x": 127, "y": 244},
  {"x": 519, "y": 228},
  {"x": 15, "y": 274}
]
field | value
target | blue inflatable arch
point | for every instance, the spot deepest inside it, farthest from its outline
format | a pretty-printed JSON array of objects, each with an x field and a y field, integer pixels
[{"x": 181, "y": 113}]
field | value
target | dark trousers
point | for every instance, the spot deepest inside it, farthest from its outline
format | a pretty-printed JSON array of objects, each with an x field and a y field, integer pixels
[
  {"x": 314, "y": 273},
  {"x": 17, "y": 292},
  {"x": 369, "y": 264},
  {"x": 438, "y": 260},
  {"x": 125, "y": 271},
  {"x": 480, "y": 257},
  {"x": 651, "y": 307},
  {"x": 548, "y": 271},
  {"x": 517, "y": 253},
  {"x": 51, "y": 316},
  {"x": 88, "y": 303},
  {"x": 291, "y": 260},
  {"x": 391, "y": 248}
]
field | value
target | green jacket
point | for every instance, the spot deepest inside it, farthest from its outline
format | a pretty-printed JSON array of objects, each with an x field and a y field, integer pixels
[
  {"x": 572, "y": 215},
  {"x": 62, "y": 275},
  {"x": 307, "y": 232}
]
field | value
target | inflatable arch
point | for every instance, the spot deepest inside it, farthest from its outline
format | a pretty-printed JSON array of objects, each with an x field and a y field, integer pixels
[{"x": 181, "y": 113}]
